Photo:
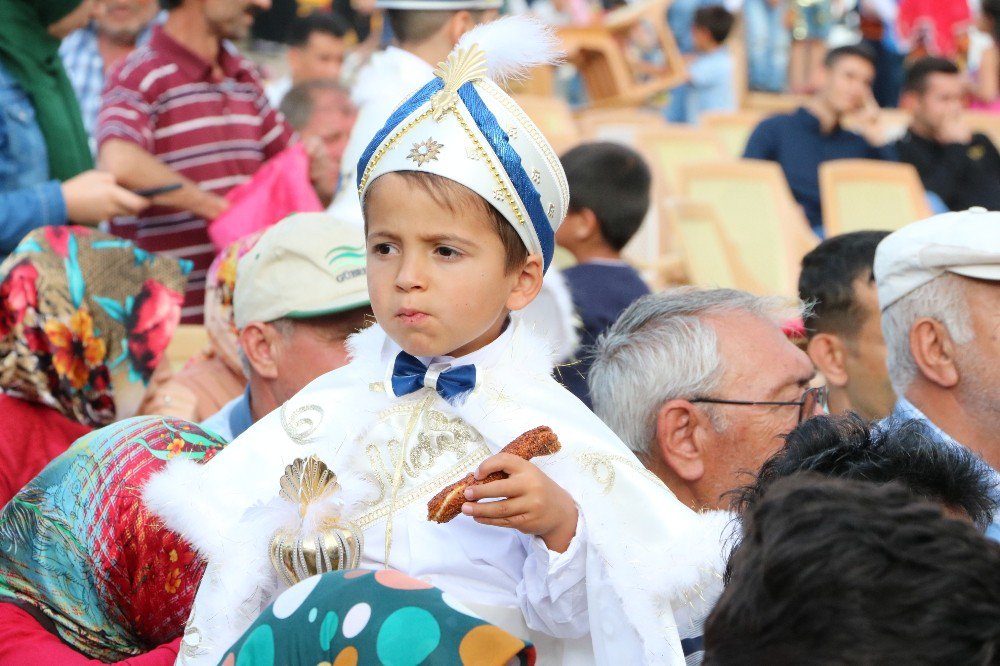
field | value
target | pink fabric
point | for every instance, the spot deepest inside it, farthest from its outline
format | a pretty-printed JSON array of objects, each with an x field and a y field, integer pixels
[
  {"x": 24, "y": 641},
  {"x": 281, "y": 187},
  {"x": 943, "y": 20}
]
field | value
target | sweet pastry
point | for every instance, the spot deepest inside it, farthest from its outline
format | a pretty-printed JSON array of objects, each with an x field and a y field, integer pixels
[{"x": 447, "y": 504}]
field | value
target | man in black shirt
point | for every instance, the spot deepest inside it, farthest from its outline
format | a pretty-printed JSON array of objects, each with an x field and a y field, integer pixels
[{"x": 960, "y": 167}]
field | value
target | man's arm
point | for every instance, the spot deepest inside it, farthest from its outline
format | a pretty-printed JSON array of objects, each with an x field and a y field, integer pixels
[{"x": 134, "y": 167}]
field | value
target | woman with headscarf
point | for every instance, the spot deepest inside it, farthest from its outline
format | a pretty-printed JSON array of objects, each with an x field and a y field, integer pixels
[
  {"x": 85, "y": 319},
  {"x": 214, "y": 377},
  {"x": 46, "y": 169},
  {"x": 86, "y": 572}
]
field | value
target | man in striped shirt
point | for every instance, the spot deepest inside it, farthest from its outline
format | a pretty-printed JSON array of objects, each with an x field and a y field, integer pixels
[{"x": 187, "y": 108}]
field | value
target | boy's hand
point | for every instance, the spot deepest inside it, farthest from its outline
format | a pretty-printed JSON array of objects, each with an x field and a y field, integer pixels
[{"x": 534, "y": 504}]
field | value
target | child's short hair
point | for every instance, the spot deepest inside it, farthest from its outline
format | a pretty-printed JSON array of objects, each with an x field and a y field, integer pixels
[
  {"x": 613, "y": 182},
  {"x": 419, "y": 25},
  {"x": 716, "y": 19},
  {"x": 452, "y": 195}
]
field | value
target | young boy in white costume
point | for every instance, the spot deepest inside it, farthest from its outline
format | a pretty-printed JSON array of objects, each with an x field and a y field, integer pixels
[{"x": 462, "y": 196}]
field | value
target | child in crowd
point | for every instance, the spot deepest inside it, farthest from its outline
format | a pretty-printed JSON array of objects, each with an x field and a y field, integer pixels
[
  {"x": 710, "y": 72},
  {"x": 462, "y": 197},
  {"x": 608, "y": 199}
]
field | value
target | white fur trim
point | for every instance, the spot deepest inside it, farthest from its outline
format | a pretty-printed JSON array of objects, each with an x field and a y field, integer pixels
[{"x": 513, "y": 46}]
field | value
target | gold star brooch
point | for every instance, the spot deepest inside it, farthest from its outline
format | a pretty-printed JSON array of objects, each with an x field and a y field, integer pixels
[{"x": 424, "y": 152}]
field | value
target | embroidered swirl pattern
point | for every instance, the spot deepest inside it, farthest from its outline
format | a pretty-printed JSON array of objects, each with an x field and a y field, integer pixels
[{"x": 301, "y": 423}]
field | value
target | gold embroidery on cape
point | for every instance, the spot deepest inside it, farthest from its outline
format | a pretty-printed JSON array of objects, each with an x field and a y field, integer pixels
[
  {"x": 433, "y": 434},
  {"x": 301, "y": 423},
  {"x": 437, "y": 434},
  {"x": 602, "y": 467},
  {"x": 421, "y": 492}
]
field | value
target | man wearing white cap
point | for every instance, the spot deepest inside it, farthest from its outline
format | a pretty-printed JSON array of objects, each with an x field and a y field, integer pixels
[
  {"x": 939, "y": 290},
  {"x": 426, "y": 31},
  {"x": 299, "y": 293}
]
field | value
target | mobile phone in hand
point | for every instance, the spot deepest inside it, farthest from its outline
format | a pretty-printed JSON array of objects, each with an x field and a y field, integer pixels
[{"x": 162, "y": 189}]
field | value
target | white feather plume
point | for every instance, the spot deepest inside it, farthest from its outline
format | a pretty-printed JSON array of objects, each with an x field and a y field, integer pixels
[{"x": 514, "y": 45}]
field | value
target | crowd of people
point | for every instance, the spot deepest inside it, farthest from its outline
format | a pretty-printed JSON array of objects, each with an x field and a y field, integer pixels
[{"x": 439, "y": 418}]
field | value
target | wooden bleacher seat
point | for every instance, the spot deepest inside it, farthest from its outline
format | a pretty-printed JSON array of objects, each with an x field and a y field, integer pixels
[
  {"x": 619, "y": 125},
  {"x": 757, "y": 211},
  {"x": 771, "y": 103},
  {"x": 554, "y": 118},
  {"x": 732, "y": 127},
  {"x": 870, "y": 194},
  {"x": 669, "y": 146},
  {"x": 709, "y": 256},
  {"x": 188, "y": 341},
  {"x": 985, "y": 122}
]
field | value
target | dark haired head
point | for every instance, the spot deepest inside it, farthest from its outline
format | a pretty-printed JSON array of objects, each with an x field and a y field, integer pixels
[
  {"x": 833, "y": 572},
  {"x": 613, "y": 182},
  {"x": 921, "y": 70},
  {"x": 414, "y": 26},
  {"x": 848, "y": 447},
  {"x": 827, "y": 280},
  {"x": 716, "y": 20},
  {"x": 171, "y": 4},
  {"x": 851, "y": 50},
  {"x": 991, "y": 10},
  {"x": 302, "y": 27}
]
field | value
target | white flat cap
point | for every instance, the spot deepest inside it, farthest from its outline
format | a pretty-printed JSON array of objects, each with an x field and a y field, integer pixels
[
  {"x": 965, "y": 243},
  {"x": 305, "y": 266}
]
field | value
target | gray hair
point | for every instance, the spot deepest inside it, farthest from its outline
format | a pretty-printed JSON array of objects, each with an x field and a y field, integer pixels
[
  {"x": 660, "y": 349},
  {"x": 942, "y": 299},
  {"x": 285, "y": 327},
  {"x": 299, "y": 103}
]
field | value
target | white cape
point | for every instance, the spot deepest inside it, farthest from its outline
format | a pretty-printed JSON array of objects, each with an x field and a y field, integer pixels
[{"x": 648, "y": 557}]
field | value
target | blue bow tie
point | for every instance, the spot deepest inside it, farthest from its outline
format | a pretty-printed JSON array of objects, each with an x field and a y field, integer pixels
[{"x": 409, "y": 374}]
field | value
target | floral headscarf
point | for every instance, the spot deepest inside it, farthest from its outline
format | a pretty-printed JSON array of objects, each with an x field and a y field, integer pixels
[
  {"x": 220, "y": 322},
  {"x": 82, "y": 315}
]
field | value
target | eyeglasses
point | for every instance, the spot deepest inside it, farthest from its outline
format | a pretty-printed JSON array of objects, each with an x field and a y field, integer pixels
[{"x": 811, "y": 399}]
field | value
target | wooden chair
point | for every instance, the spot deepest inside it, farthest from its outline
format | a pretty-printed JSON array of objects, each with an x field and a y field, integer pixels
[
  {"x": 985, "y": 122},
  {"x": 609, "y": 75},
  {"x": 188, "y": 340},
  {"x": 732, "y": 127},
  {"x": 670, "y": 146},
  {"x": 757, "y": 211},
  {"x": 770, "y": 103},
  {"x": 653, "y": 249},
  {"x": 620, "y": 125},
  {"x": 870, "y": 194},
  {"x": 554, "y": 118},
  {"x": 709, "y": 256}
]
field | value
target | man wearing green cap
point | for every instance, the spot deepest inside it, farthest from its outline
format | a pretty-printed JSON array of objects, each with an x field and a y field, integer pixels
[{"x": 299, "y": 293}]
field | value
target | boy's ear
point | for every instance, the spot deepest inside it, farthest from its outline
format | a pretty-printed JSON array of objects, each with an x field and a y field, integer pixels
[
  {"x": 527, "y": 284},
  {"x": 587, "y": 225}
]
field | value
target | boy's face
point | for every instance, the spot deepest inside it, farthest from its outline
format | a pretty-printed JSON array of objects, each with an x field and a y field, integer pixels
[
  {"x": 702, "y": 39},
  {"x": 436, "y": 276}
]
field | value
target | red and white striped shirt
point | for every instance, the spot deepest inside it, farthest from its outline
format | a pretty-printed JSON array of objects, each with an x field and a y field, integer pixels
[{"x": 215, "y": 131}]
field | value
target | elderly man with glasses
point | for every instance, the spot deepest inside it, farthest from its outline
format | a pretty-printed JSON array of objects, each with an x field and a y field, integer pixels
[{"x": 702, "y": 384}]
